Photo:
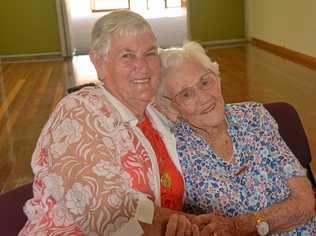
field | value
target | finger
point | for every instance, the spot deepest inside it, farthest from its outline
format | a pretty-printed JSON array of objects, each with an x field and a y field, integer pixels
[
  {"x": 223, "y": 233},
  {"x": 171, "y": 228},
  {"x": 202, "y": 219},
  {"x": 182, "y": 225},
  {"x": 195, "y": 230},
  {"x": 208, "y": 230},
  {"x": 188, "y": 230}
]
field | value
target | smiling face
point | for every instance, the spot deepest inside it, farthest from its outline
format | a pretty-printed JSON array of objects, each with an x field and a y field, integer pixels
[
  {"x": 196, "y": 94},
  {"x": 131, "y": 69}
]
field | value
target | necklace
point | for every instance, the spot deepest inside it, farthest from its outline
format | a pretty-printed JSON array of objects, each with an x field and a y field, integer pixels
[{"x": 165, "y": 180}]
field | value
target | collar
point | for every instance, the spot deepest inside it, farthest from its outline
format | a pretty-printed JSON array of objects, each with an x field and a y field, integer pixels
[
  {"x": 126, "y": 115},
  {"x": 233, "y": 123}
]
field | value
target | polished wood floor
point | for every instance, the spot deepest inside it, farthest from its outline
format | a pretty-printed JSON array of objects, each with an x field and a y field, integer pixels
[{"x": 29, "y": 92}]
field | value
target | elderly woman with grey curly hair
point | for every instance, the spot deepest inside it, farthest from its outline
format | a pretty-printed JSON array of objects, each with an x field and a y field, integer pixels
[
  {"x": 238, "y": 171},
  {"x": 104, "y": 163}
]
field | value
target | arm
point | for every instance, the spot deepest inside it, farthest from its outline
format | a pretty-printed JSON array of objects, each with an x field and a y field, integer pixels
[
  {"x": 285, "y": 215},
  {"x": 94, "y": 191},
  {"x": 282, "y": 216},
  {"x": 299, "y": 207},
  {"x": 288, "y": 213},
  {"x": 77, "y": 150}
]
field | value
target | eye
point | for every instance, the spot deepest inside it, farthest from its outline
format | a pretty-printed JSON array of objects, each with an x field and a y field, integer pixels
[
  {"x": 206, "y": 83},
  {"x": 185, "y": 94},
  {"x": 128, "y": 55},
  {"x": 151, "y": 53}
]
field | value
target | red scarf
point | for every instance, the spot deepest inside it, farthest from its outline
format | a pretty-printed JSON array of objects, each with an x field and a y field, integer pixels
[{"x": 171, "y": 182}]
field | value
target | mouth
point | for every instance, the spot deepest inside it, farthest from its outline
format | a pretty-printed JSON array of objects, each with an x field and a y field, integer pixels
[
  {"x": 141, "y": 81},
  {"x": 208, "y": 109}
]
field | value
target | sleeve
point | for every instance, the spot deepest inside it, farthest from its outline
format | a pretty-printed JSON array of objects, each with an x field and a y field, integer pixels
[
  {"x": 79, "y": 177},
  {"x": 283, "y": 160}
]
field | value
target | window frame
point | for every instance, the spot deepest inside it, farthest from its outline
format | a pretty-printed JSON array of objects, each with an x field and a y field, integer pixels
[
  {"x": 93, "y": 8},
  {"x": 181, "y": 5}
]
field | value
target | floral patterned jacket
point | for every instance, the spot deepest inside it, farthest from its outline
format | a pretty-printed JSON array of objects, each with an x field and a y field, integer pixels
[{"x": 92, "y": 165}]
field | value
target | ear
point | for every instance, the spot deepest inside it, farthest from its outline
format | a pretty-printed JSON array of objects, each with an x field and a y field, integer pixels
[
  {"x": 99, "y": 63},
  {"x": 95, "y": 59}
]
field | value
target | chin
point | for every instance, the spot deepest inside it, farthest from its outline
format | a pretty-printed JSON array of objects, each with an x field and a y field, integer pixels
[
  {"x": 145, "y": 97},
  {"x": 211, "y": 121}
]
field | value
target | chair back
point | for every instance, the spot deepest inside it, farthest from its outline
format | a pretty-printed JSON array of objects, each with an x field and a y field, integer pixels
[
  {"x": 293, "y": 133},
  {"x": 12, "y": 217}
]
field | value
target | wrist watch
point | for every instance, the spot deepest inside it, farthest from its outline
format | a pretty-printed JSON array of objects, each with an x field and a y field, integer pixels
[{"x": 261, "y": 224}]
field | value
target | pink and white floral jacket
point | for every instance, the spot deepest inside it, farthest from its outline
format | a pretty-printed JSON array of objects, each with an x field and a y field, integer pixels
[{"x": 91, "y": 164}]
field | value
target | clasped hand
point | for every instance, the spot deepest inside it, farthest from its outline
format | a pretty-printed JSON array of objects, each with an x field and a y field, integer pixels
[{"x": 201, "y": 225}]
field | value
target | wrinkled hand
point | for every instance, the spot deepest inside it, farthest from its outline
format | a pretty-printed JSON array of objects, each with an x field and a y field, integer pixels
[
  {"x": 215, "y": 225},
  {"x": 179, "y": 225}
]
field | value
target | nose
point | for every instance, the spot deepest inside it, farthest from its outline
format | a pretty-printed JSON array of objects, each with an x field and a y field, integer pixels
[
  {"x": 141, "y": 64},
  {"x": 202, "y": 96}
]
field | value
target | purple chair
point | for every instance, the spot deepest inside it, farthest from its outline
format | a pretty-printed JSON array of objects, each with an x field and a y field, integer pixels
[
  {"x": 12, "y": 218},
  {"x": 292, "y": 131}
]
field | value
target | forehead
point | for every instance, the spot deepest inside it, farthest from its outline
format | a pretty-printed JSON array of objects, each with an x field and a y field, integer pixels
[
  {"x": 184, "y": 75},
  {"x": 133, "y": 42}
]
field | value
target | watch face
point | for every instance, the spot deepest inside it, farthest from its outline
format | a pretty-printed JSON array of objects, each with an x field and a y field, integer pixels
[{"x": 263, "y": 228}]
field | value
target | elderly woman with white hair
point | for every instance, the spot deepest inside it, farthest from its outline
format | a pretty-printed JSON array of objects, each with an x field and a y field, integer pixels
[
  {"x": 237, "y": 169},
  {"x": 105, "y": 164}
]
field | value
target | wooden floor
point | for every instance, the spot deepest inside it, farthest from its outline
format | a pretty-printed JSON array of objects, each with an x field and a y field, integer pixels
[{"x": 29, "y": 92}]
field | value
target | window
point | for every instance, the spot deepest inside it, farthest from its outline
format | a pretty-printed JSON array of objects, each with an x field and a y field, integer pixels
[
  {"x": 108, "y": 5},
  {"x": 173, "y": 3}
]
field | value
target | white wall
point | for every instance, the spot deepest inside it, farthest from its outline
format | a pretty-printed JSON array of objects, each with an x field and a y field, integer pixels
[
  {"x": 170, "y": 26},
  {"x": 287, "y": 23}
]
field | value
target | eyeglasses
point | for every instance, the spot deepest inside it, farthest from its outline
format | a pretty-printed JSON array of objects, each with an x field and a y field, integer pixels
[{"x": 187, "y": 96}]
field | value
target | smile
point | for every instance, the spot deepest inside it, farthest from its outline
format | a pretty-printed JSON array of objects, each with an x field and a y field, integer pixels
[
  {"x": 208, "y": 109},
  {"x": 141, "y": 81}
]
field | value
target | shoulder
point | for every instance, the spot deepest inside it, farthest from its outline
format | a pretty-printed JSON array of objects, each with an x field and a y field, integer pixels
[
  {"x": 91, "y": 94},
  {"x": 243, "y": 110},
  {"x": 250, "y": 114},
  {"x": 90, "y": 99},
  {"x": 182, "y": 127},
  {"x": 183, "y": 133}
]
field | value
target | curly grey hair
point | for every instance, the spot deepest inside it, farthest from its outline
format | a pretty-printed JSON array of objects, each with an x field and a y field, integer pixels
[
  {"x": 121, "y": 21},
  {"x": 191, "y": 50},
  {"x": 175, "y": 56}
]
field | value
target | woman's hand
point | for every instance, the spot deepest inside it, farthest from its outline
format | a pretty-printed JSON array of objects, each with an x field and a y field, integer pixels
[
  {"x": 213, "y": 224},
  {"x": 180, "y": 225}
]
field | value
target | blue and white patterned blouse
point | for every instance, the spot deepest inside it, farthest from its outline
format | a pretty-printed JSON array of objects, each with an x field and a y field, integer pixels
[{"x": 257, "y": 178}]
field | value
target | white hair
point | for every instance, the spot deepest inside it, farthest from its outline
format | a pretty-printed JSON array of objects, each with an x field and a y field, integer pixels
[
  {"x": 123, "y": 22},
  {"x": 175, "y": 56},
  {"x": 191, "y": 50}
]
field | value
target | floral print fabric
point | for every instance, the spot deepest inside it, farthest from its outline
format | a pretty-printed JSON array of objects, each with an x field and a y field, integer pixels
[
  {"x": 255, "y": 180},
  {"x": 89, "y": 169}
]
